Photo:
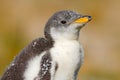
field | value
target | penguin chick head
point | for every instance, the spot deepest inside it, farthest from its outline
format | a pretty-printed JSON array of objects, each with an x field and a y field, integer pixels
[{"x": 66, "y": 25}]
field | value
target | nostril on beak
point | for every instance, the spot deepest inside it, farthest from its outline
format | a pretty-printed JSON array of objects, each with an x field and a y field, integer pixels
[{"x": 89, "y": 17}]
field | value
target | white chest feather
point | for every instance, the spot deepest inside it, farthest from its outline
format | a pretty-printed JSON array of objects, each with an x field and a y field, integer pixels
[
  {"x": 33, "y": 67},
  {"x": 67, "y": 55}
]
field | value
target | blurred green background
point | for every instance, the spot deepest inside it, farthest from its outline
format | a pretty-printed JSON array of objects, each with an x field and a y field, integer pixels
[{"x": 21, "y": 21}]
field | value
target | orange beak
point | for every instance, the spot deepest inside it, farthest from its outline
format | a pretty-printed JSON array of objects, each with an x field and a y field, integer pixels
[{"x": 83, "y": 19}]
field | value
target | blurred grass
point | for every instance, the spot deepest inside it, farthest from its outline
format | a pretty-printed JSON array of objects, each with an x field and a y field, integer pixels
[{"x": 21, "y": 21}]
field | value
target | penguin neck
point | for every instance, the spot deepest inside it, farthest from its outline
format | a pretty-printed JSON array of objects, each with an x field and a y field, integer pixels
[
  {"x": 49, "y": 38},
  {"x": 57, "y": 36}
]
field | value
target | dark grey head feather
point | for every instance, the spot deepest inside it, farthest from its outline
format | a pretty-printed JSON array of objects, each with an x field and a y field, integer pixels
[{"x": 61, "y": 18}]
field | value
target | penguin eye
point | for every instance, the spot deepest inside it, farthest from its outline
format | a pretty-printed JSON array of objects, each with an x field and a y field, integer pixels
[{"x": 63, "y": 22}]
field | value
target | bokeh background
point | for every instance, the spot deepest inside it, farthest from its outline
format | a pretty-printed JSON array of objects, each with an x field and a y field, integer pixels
[{"x": 21, "y": 21}]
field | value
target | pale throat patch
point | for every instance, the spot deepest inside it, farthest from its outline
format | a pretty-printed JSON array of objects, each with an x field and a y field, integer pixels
[{"x": 71, "y": 32}]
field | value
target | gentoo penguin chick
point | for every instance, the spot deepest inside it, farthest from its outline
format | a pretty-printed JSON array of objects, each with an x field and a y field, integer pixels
[{"x": 57, "y": 56}]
